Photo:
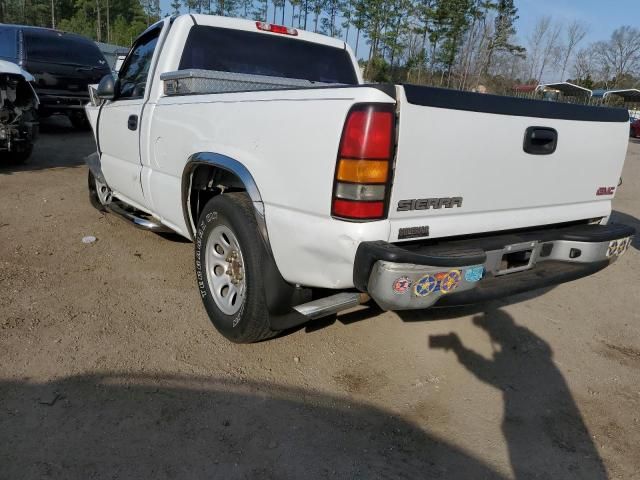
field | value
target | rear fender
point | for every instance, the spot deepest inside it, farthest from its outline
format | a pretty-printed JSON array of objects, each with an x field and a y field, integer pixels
[{"x": 280, "y": 295}]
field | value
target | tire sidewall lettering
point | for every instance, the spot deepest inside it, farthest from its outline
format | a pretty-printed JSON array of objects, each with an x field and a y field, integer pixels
[{"x": 200, "y": 275}]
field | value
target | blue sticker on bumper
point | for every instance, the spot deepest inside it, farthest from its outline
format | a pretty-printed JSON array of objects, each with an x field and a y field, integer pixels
[{"x": 474, "y": 274}]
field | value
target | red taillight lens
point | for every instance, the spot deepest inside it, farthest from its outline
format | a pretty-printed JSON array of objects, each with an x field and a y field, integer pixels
[
  {"x": 359, "y": 210},
  {"x": 367, "y": 134},
  {"x": 363, "y": 169}
]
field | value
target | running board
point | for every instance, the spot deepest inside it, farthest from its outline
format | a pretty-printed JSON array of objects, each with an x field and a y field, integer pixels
[
  {"x": 324, "y": 307},
  {"x": 139, "y": 219}
]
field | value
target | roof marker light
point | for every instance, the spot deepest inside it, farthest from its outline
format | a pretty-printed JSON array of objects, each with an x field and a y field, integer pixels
[{"x": 269, "y": 27}]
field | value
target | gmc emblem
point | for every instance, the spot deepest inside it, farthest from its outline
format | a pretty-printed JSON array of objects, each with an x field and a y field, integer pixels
[
  {"x": 605, "y": 191},
  {"x": 427, "y": 203}
]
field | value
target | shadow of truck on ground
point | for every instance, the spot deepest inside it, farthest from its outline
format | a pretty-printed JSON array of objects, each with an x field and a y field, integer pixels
[{"x": 175, "y": 427}]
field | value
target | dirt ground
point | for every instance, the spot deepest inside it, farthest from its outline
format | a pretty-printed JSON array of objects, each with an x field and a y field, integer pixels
[{"x": 109, "y": 367}]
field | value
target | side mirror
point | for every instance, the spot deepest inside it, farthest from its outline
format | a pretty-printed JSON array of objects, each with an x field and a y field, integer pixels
[{"x": 108, "y": 87}]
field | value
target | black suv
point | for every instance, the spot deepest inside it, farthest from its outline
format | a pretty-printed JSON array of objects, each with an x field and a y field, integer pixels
[{"x": 63, "y": 64}]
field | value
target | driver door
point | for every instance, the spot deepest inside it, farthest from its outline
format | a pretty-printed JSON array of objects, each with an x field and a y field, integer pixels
[{"x": 119, "y": 127}]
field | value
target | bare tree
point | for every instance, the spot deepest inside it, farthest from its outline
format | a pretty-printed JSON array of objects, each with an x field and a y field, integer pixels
[
  {"x": 98, "y": 22},
  {"x": 549, "y": 52},
  {"x": 620, "y": 56},
  {"x": 536, "y": 41},
  {"x": 575, "y": 33},
  {"x": 585, "y": 64}
]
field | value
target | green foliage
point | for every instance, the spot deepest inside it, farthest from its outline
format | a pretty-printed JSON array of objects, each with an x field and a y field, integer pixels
[
  {"x": 113, "y": 21},
  {"x": 456, "y": 43}
]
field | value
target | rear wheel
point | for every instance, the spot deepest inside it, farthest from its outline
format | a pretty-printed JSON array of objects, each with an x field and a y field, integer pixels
[{"x": 229, "y": 256}]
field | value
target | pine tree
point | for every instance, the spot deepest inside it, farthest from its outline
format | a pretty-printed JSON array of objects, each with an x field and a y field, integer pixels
[{"x": 504, "y": 29}]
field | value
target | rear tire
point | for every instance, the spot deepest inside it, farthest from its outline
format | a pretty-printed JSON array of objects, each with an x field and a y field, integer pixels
[{"x": 229, "y": 259}]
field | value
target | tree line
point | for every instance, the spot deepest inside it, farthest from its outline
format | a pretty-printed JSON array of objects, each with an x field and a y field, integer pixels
[
  {"x": 465, "y": 44},
  {"x": 112, "y": 21}
]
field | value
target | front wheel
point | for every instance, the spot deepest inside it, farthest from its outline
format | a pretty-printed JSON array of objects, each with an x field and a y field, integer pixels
[
  {"x": 99, "y": 193},
  {"x": 229, "y": 257},
  {"x": 19, "y": 157},
  {"x": 79, "y": 120}
]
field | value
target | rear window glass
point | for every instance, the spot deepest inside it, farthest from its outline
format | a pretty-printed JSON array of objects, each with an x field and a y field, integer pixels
[
  {"x": 56, "y": 47},
  {"x": 236, "y": 51},
  {"x": 8, "y": 43}
]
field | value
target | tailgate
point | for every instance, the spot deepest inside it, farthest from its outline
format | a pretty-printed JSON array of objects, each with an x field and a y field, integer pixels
[{"x": 462, "y": 165}]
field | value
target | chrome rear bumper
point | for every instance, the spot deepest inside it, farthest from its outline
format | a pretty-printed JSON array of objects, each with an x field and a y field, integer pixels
[{"x": 459, "y": 274}]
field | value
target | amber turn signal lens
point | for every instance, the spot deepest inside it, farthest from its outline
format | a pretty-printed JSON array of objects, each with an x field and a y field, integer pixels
[{"x": 362, "y": 171}]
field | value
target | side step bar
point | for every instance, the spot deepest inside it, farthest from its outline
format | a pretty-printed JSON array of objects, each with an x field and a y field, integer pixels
[
  {"x": 324, "y": 307},
  {"x": 139, "y": 219}
]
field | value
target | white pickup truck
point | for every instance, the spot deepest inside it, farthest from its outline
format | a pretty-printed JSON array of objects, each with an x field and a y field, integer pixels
[{"x": 307, "y": 191}]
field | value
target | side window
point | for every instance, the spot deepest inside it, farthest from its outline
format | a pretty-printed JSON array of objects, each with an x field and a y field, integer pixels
[{"x": 134, "y": 72}]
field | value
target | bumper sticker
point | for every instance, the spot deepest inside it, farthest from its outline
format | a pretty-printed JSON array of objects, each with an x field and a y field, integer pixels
[
  {"x": 618, "y": 247},
  {"x": 401, "y": 285},
  {"x": 425, "y": 286},
  {"x": 474, "y": 274},
  {"x": 450, "y": 281}
]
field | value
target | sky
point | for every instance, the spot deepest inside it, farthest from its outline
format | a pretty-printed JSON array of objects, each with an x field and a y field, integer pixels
[{"x": 601, "y": 16}]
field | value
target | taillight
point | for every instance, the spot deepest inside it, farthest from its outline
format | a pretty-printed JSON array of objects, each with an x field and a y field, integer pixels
[
  {"x": 270, "y": 27},
  {"x": 363, "y": 170}
]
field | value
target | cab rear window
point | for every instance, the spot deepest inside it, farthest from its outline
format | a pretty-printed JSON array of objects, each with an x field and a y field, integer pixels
[
  {"x": 237, "y": 51},
  {"x": 57, "y": 47}
]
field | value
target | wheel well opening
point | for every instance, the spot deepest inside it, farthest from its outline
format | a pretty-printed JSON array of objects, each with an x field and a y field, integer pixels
[{"x": 207, "y": 181}]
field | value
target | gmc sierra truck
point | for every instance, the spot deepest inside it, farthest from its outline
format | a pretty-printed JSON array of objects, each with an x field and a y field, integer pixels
[{"x": 307, "y": 191}]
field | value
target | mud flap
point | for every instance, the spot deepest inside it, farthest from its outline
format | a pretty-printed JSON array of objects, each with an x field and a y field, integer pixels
[{"x": 282, "y": 296}]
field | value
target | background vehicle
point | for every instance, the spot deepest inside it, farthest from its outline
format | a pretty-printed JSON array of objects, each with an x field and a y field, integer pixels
[
  {"x": 63, "y": 65},
  {"x": 262, "y": 144},
  {"x": 18, "y": 113},
  {"x": 634, "y": 128}
]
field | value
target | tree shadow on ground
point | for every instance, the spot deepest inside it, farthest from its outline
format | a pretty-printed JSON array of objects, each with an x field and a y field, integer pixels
[
  {"x": 133, "y": 426},
  {"x": 59, "y": 145},
  {"x": 626, "y": 219},
  {"x": 543, "y": 429}
]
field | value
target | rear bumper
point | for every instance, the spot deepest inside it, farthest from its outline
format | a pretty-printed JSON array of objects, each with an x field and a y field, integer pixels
[{"x": 467, "y": 271}]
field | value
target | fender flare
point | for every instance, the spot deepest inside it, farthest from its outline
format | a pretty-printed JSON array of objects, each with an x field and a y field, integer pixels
[
  {"x": 229, "y": 165},
  {"x": 280, "y": 295}
]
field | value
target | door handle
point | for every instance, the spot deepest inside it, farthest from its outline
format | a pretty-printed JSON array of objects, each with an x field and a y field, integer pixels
[
  {"x": 540, "y": 140},
  {"x": 132, "y": 123}
]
